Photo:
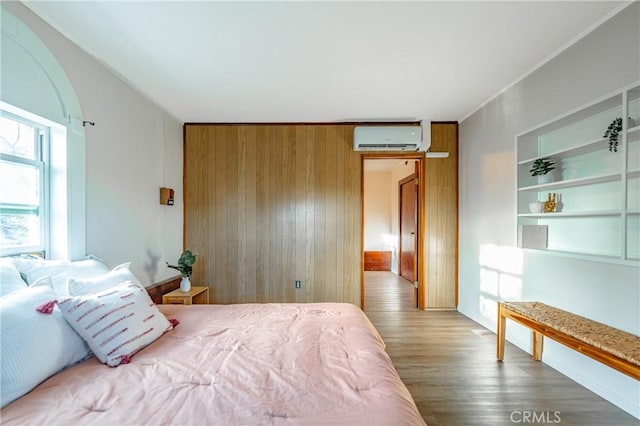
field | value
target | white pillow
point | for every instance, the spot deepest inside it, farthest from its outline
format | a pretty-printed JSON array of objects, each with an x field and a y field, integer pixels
[
  {"x": 117, "y": 322},
  {"x": 25, "y": 262},
  {"x": 33, "y": 346},
  {"x": 45, "y": 268},
  {"x": 126, "y": 265},
  {"x": 87, "y": 268},
  {"x": 10, "y": 279},
  {"x": 60, "y": 270},
  {"x": 79, "y": 287}
]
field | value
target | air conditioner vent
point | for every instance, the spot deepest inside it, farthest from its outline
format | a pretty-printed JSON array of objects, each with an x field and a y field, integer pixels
[{"x": 387, "y": 138}]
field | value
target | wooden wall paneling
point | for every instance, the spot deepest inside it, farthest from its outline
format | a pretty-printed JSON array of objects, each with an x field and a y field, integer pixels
[
  {"x": 268, "y": 204},
  {"x": 431, "y": 211},
  {"x": 220, "y": 205},
  {"x": 251, "y": 228},
  {"x": 310, "y": 214},
  {"x": 440, "y": 247},
  {"x": 275, "y": 205},
  {"x": 233, "y": 213},
  {"x": 299, "y": 268},
  {"x": 197, "y": 214},
  {"x": 242, "y": 260},
  {"x": 331, "y": 222},
  {"x": 354, "y": 219},
  {"x": 272, "y": 225},
  {"x": 320, "y": 211},
  {"x": 262, "y": 211},
  {"x": 289, "y": 235},
  {"x": 451, "y": 244},
  {"x": 353, "y": 242},
  {"x": 341, "y": 201}
]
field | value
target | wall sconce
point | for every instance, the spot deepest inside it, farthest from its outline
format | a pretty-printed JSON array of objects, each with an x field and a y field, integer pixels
[{"x": 166, "y": 196}]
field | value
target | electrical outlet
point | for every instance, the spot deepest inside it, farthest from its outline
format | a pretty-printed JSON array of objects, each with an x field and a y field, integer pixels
[{"x": 298, "y": 283}]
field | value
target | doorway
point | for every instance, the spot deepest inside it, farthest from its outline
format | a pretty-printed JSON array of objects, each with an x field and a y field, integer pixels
[{"x": 391, "y": 239}]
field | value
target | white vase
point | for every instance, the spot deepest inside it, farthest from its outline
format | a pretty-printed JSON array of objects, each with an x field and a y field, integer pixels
[
  {"x": 542, "y": 179},
  {"x": 185, "y": 285},
  {"x": 536, "y": 206}
]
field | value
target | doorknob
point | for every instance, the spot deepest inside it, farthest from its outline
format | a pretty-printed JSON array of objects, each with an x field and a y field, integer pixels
[{"x": 413, "y": 233}]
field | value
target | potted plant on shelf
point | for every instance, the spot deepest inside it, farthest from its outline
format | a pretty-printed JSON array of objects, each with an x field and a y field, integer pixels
[
  {"x": 185, "y": 267},
  {"x": 615, "y": 127},
  {"x": 541, "y": 167}
]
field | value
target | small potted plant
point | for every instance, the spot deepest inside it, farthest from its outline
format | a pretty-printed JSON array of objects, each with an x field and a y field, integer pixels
[
  {"x": 185, "y": 267},
  {"x": 615, "y": 127},
  {"x": 541, "y": 167}
]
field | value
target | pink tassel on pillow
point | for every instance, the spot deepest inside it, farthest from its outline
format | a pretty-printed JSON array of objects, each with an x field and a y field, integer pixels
[
  {"x": 47, "y": 308},
  {"x": 174, "y": 322}
]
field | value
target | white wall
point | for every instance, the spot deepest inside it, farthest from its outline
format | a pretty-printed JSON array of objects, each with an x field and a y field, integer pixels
[
  {"x": 133, "y": 150},
  {"x": 377, "y": 210},
  {"x": 490, "y": 265}
]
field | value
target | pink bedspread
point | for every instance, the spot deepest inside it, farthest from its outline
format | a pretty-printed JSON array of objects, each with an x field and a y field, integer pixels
[{"x": 255, "y": 364}]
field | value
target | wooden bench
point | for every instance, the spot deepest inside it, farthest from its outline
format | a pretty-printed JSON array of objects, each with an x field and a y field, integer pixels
[{"x": 615, "y": 348}]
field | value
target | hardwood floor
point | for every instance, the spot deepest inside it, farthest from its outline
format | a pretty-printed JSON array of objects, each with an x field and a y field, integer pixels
[{"x": 448, "y": 363}]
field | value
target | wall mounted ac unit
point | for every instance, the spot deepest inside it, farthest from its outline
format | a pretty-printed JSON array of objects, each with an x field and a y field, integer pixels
[{"x": 387, "y": 138}]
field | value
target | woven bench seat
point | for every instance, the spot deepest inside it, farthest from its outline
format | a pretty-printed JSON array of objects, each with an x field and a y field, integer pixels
[{"x": 611, "y": 346}]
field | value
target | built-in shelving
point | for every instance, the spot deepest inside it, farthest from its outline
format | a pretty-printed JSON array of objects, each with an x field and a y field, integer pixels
[
  {"x": 596, "y": 188},
  {"x": 572, "y": 182},
  {"x": 573, "y": 214},
  {"x": 585, "y": 148}
]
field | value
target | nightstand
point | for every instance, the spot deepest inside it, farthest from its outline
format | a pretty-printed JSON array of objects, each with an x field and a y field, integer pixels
[{"x": 195, "y": 296}]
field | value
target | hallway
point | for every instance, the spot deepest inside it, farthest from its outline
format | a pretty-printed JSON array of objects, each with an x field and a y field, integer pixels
[{"x": 386, "y": 291}]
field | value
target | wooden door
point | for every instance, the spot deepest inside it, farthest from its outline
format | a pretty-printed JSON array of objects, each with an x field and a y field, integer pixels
[{"x": 408, "y": 228}]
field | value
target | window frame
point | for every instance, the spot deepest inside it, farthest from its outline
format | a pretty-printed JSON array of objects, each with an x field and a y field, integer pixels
[{"x": 42, "y": 142}]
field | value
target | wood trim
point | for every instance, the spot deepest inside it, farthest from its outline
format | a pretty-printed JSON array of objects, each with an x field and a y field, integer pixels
[
  {"x": 421, "y": 234},
  {"x": 184, "y": 187},
  {"x": 157, "y": 290},
  {"x": 362, "y": 290},
  {"x": 457, "y": 248},
  {"x": 311, "y": 123},
  {"x": 539, "y": 330},
  {"x": 420, "y": 157}
]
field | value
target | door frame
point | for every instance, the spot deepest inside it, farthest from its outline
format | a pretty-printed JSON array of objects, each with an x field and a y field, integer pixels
[{"x": 420, "y": 158}]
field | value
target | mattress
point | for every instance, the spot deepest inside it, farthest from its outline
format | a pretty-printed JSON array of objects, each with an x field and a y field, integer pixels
[{"x": 252, "y": 364}]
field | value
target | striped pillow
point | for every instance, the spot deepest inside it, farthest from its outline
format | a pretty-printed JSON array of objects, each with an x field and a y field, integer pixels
[{"x": 116, "y": 322}]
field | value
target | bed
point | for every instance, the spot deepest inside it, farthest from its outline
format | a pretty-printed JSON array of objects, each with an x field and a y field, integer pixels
[{"x": 251, "y": 364}]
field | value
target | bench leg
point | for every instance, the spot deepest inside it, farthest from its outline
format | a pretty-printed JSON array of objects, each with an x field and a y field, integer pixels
[
  {"x": 538, "y": 340},
  {"x": 502, "y": 323}
]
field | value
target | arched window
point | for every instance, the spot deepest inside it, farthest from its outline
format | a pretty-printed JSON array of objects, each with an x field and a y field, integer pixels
[{"x": 42, "y": 150}]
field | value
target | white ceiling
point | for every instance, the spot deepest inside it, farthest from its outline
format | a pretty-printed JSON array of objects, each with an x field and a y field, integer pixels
[{"x": 322, "y": 61}]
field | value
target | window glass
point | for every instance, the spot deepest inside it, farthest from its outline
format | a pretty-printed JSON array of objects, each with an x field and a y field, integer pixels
[
  {"x": 17, "y": 138},
  {"x": 19, "y": 183},
  {"x": 22, "y": 185}
]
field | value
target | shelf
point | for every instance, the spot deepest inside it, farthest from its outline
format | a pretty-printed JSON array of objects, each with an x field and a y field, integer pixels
[
  {"x": 573, "y": 214},
  {"x": 631, "y": 261},
  {"x": 573, "y": 182},
  {"x": 598, "y": 183},
  {"x": 591, "y": 146}
]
